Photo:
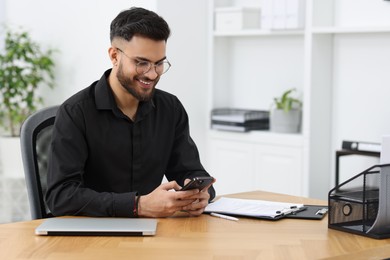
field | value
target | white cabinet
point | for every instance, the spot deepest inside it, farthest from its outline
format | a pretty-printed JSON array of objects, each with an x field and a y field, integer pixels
[
  {"x": 339, "y": 64},
  {"x": 257, "y": 161},
  {"x": 232, "y": 164},
  {"x": 278, "y": 168}
]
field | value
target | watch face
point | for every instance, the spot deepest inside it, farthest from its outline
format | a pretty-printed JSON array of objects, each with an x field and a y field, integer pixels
[{"x": 347, "y": 209}]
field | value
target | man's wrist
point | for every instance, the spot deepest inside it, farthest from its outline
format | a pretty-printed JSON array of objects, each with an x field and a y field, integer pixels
[
  {"x": 139, "y": 206},
  {"x": 135, "y": 205}
]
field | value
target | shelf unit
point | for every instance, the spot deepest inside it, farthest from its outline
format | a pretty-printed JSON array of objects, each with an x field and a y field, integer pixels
[
  {"x": 249, "y": 68},
  {"x": 257, "y": 33},
  {"x": 350, "y": 30}
]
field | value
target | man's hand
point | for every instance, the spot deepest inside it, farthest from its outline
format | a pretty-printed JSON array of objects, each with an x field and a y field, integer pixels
[
  {"x": 162, "y": 202},
  {"x": 201, "y": 201}
]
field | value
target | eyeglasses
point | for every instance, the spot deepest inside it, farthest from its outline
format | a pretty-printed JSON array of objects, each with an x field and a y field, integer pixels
[{"x": 143, "y": 67}]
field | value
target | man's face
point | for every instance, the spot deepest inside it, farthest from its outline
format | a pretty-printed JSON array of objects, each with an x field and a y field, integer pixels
[{"x": 137, "y": 51}]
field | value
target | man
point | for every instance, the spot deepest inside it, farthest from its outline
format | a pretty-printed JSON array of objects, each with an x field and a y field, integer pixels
[{"x": 114, "y": 141}]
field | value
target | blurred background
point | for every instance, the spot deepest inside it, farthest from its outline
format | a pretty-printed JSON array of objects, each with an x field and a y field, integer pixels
[{"x": 336, "y": 55}]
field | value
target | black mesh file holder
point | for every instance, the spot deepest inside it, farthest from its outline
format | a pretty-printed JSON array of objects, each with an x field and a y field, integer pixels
[{"x": 354, "y": 205}]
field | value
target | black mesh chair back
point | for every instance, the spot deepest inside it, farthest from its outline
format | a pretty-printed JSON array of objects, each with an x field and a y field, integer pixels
[{"x": 35, "y": 139}]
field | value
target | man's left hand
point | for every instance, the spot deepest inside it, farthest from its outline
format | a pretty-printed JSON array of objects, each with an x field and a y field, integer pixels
[{"x": 200, "y": 203}]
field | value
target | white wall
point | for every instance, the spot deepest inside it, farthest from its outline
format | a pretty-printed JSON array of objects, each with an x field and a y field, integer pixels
[
  {"x": 79, "y": 30},
  {"x": 2, "y": 11},
  {"x": 361, "y": 81},
  {"x": 187, "y": 50},
  {"x": 360, "y": 95},
  {"x": 2, "y": 21}
]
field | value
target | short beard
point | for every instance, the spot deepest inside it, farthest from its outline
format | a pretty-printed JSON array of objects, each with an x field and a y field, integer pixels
[{"x": 128, "y": 84}]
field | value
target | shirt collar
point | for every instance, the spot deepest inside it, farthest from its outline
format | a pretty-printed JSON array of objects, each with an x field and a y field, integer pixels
[{"x": 105, "y": 98}]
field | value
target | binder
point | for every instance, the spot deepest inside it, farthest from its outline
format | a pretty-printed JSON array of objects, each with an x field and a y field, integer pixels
[
  {"x": 239, "y": 120},
  {"x": 362, "y": 146},
  {"x": 237, "y": 115},
  {"x": 240, "y": 127}
]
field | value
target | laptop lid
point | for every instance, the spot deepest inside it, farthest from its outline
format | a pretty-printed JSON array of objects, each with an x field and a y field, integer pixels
[{"x": 97, "y": 227}]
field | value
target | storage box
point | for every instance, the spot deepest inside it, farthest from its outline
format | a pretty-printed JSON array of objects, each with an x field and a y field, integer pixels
[
  {"x": 237, "y": 18},
  {"x": 360, "y": 204}
]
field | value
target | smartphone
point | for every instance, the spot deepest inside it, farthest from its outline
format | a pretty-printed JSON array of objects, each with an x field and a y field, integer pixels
[{"x": 198, "y": 183}]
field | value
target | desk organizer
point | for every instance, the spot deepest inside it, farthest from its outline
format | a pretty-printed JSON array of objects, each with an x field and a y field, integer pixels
[{"x": 361, "y": 204}]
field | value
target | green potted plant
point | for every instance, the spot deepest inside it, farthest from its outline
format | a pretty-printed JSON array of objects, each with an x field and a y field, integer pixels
[
  {"x": 24, "y": 68},
  {"x": 285, "y": 117}
]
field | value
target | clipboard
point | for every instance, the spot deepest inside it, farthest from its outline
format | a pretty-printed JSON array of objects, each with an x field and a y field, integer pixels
[
  {"x": 260, "y": 209},
  {"x": 314, "y": 212}
]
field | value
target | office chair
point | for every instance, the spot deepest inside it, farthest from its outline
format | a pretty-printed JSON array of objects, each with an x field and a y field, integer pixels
[{"x": 35, "y": 139}]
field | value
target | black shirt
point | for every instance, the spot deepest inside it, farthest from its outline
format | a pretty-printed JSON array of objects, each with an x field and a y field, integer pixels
[{"x": 100, "y": 159}]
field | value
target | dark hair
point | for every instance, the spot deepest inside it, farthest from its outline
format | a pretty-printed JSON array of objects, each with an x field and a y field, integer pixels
[{"x": 139, "y": 21}]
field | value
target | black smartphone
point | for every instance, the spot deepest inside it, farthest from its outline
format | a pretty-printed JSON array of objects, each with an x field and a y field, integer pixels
[{"x": 198, "y": 183}]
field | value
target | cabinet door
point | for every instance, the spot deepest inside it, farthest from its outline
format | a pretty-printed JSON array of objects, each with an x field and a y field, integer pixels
[
  {"x": 279, "y": 169},
  {"x": 232, "y": 166}
]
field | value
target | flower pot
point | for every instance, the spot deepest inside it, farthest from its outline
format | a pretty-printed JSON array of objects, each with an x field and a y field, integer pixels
[
  {"x": 11, "y": 157},
  {"x": 285, "y": 122}
]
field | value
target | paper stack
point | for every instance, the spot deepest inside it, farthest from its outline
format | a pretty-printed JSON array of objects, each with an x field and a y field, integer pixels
[{"x": 240, "y": 120}]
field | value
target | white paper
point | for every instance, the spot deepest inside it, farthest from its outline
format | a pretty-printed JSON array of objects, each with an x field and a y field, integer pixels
[
  {"x": 266, "y": 14},
  {"x": 385, "y": 150},
  {"x": 294, "y": 14},
  {"x": 252, "y": 208},
  {"x": 279, "y": 14}
]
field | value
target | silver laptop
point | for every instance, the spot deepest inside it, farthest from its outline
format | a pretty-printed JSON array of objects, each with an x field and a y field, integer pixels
[{"x": 97, "y": 227}]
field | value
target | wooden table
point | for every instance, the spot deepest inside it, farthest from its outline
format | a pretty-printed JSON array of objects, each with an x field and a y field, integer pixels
[{"x": 203, "y": 237}]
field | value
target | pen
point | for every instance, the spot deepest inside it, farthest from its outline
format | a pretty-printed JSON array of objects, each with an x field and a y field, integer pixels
[
  {"x": 322, "y": 211},
  {"x": 223, "y": 216}
]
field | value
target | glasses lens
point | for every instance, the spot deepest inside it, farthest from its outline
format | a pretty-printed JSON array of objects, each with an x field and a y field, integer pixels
[
  {"x": 143, "y": 66},
  {"x": 160, "y": 68}
]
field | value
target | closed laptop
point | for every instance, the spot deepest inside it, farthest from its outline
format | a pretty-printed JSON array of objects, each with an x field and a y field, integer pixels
[{"x": 81, "y": 226}]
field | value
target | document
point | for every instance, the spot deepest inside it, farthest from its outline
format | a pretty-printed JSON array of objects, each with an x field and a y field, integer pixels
[{"x": 253, "y": 208}]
